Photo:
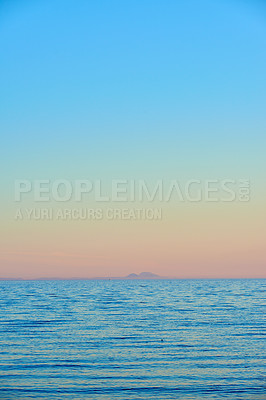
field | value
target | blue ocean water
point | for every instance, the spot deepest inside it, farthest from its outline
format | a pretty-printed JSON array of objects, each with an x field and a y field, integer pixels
[{"x": 126, "y": 339}]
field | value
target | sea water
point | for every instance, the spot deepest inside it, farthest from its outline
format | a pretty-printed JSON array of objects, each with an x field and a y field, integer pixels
[{"x": 132, "y": 339}]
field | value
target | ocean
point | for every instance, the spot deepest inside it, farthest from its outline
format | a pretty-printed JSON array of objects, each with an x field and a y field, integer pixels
[{"x": 132, "y": 339}]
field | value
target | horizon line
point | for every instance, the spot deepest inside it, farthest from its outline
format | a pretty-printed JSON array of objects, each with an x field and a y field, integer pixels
[{"x": 125, "y": 278}]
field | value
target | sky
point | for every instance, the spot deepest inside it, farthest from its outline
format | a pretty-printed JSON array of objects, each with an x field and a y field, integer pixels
[{"x": 141, "y": 90}]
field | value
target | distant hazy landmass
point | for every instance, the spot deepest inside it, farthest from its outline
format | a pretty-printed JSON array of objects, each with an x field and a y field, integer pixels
[{"x": 143, "y": 275}]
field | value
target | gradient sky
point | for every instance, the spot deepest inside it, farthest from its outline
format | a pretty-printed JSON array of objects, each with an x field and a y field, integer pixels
[{"x": 134, "y": 90}]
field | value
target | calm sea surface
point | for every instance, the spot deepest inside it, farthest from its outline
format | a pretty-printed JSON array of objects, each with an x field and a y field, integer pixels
[{"x": 162, "y": 339}]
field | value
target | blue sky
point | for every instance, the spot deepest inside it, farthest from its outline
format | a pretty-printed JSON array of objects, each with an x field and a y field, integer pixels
[{"x": 133, "y": 88}]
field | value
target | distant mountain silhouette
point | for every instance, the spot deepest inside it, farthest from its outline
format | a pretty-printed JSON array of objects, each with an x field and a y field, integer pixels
[
  {"x": 143, "y": 275},
  {"x": 132, "y": 276}
]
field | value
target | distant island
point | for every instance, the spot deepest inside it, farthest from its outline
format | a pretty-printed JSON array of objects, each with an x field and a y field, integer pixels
[{"x": 143, "y": 275}]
